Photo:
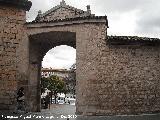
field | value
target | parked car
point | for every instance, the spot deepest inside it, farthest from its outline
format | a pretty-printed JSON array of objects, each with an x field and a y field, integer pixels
[
  {"x": 60, "y": 100},
  {"x": 70, "y": 101}
]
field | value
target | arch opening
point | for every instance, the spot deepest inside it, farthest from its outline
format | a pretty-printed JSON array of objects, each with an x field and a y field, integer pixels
[
  {"x": 39, "y": 45},
  {"x": 58, "y": 67}
]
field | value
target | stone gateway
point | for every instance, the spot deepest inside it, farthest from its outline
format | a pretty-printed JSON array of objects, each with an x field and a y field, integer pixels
[{"x": 116, "y": 75}]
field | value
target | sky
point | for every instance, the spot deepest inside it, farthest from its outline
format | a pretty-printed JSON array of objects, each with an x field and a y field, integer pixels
[
  {"x": 60, "y": 57},
  {"x": 125, "y": 17}
]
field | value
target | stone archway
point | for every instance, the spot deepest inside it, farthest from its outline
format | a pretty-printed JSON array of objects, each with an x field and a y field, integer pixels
[
  {"x": 21, "y": 51},
  {"x": 85, "y": 37}
]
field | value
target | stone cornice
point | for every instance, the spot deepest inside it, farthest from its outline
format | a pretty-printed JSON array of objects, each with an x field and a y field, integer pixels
[
  {"x": 22, "y": 4},
  {"x": 68, "y": 21},
  {"x": 132, "y": 40}
]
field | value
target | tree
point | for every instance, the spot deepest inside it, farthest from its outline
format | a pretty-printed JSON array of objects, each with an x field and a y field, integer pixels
[{"x": 56, "y": 85}]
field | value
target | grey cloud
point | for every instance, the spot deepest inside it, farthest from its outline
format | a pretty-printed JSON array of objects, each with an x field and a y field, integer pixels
[
  {"x": 62, "y": 58},
  {"x": 149, "y": 24},
  {"x": 148, "y": 21},
  {"x": 63, "y": 52},
  {"x": 111, "y": 6},
  {"x": 148, "y": 18}
]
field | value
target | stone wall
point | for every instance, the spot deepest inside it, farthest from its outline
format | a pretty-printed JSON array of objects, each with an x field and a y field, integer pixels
[
  {"x": 112, "y": 79},
  {"x": 13, "y": 54},
  {"x": 128, "y": 80}
]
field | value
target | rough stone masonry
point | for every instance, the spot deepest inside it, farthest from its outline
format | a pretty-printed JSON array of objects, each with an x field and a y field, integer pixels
[
  {"x": 13, "y": 50},
  {"x": 116, "y": 75}
]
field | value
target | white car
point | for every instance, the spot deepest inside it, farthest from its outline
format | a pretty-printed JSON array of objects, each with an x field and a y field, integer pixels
[
  {"x": 60, "y": 100},
  {"x": 70, "y": 101}
]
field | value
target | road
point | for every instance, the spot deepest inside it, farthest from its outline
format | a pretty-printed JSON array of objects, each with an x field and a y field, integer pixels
[
  {"x": 61, "y": 112},
  {"x": 56, "y": 112}
]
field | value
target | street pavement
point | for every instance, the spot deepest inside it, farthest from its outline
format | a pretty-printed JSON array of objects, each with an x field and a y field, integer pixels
[
  {"x": 132, "y": 117},
  {"x": 56, "y": 112},
  {"x": 67, "y": 112}
]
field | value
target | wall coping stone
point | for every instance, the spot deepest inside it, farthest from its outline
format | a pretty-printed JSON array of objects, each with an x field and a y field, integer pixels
[
  {"x": 132, "y": 40},
  {"x": 22, "y": 4},
  {"x": 63, "y": 22}
]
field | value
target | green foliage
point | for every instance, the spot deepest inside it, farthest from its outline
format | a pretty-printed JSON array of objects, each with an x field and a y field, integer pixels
[{"x": 56, "y": 84}]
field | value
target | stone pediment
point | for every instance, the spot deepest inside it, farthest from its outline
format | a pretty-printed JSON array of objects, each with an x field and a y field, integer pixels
[{"x": 62, "y": 11}]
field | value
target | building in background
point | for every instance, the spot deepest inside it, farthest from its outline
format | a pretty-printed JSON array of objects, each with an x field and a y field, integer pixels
[
  {"x": 68, "y": 76},
  {"x": 62, "y": 73}
]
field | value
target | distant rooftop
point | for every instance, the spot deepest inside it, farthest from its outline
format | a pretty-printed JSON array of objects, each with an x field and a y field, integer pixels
[{"x": 54, "y": 70}]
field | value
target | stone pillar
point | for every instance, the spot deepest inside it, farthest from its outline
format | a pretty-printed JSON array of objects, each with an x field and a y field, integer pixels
[
  {"x": 88, "y": 48},
  {"x": 12, "y": 38},
  {"x": 34, "y": 78}
]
